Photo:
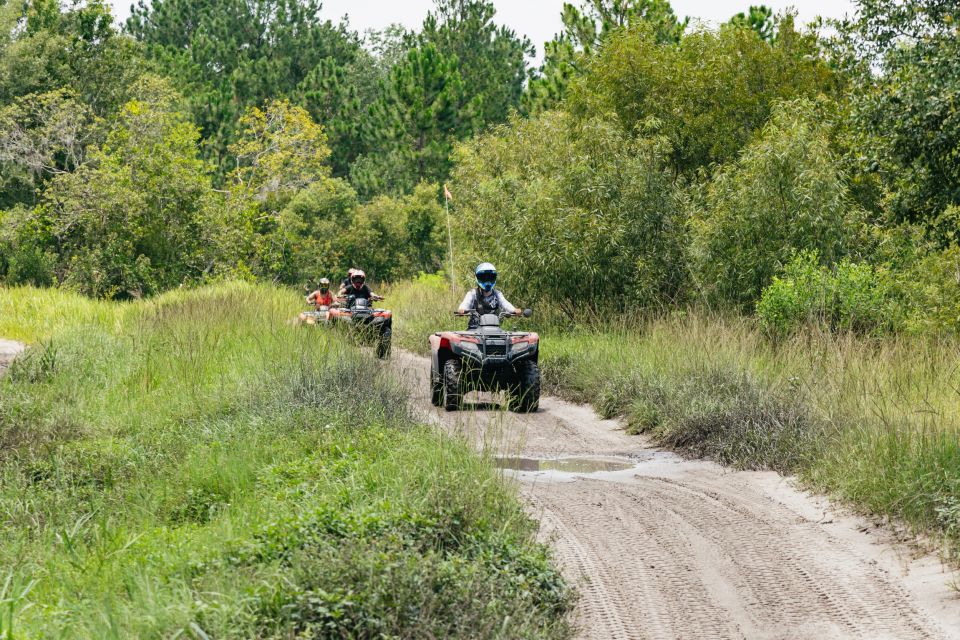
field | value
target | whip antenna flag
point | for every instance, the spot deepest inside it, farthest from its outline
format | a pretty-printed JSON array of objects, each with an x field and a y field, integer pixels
[{"x": 447, "y": 197}]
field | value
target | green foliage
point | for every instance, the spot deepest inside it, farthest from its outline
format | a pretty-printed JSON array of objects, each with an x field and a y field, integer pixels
[
  {"x": 852, "y": 297},
  {"x": 48, "y": 47},
  {"x": 930, "y": 288},
  {"x": 287, "y": 220},
  {"x": 231, "y": 56},
  {"x": 128, "y": 222},
  {"x": 584, "y": 29},
  {"x": 280, "y": 151},
  {"x": 573, "y": 213},
  {"x": 398, "y": 237},
  {"x": 760, "y": 19},
  {"x": 710, "y": 93},
  {"x": 907, "y": 115},
  {"x": 190, "y": 465},
  {"x": 491, "y": 59},
  {"x": 783, "y": 195},
  {"x": 41, "y": 135},
  {"x": 587, "y": 27},
  {"x": 62, "y": 69},
  {"x": 323, "y": 231},
  {"x": 424, "y": 109}
]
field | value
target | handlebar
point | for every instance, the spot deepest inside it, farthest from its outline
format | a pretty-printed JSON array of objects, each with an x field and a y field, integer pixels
[
  {"x": 526, "y": 313},
  {"x": 374, "y": 298}
]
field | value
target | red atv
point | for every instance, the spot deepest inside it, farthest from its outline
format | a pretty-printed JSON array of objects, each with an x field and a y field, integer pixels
[
  {"x": 371, "y": 325},
  {"x": 486, "y": 359}
]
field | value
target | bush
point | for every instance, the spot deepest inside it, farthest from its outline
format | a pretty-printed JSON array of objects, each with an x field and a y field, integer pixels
[
  {"x": 578, "y": 214},
  {"x": 850, "y": 297},
  {"x": 784, "y": 195}
]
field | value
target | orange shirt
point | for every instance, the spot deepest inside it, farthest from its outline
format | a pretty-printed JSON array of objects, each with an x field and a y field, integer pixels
[{"x": 321, "y": 299}]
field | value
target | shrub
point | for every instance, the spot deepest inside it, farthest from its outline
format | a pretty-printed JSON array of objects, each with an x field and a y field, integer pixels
[
  {"x": 785, "y": 194},
  {"x": 578, "y": 214},
  {"x": 850, "y": 297}
]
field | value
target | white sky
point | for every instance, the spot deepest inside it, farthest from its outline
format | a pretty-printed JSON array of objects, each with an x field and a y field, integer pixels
[{"x": 540, "y": 19}]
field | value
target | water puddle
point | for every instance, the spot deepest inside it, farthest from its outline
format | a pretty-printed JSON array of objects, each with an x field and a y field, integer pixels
[
  {"x": 619, "y": 468},
  {"x": 563, "y": 465}
]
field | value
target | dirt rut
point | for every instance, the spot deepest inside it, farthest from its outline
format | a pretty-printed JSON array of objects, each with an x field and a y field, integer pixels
[{"x": 678, "y": 548}]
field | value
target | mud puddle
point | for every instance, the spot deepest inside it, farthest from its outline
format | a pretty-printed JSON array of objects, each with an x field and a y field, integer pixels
[
  {"x": 563, "y": 465},
  {"x": 594, "y": 467}
]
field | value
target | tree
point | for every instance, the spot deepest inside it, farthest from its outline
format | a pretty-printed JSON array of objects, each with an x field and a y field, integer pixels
[
  {"x": 424, "y": 109},
  {"x": 587, "y": 27},
  {"x": 906, "y": 116},
  {"x": 281, "y": 150},
  {"x": 47, "y": 48},
  {"x": 41, "y": 136},
  {"x": 397, "y": 237},
  {"x": 63, "y": 70},
  {"x": 575, "y": 213},
  {"x": 130, "y": 221},
  {"x": 584, "y": 29},
  {"x": 708, "y": 94},
  {"x": 491, "y": 59},
  {"x": 782, "y": 196},
  {"x": 234, "y": 54},
  {"x": 760, "y": 19}
]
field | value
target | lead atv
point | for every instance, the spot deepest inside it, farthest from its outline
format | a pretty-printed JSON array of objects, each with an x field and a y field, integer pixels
[
  {"x": 371, "y": 325},
  {"x": 486, "y": 359}
]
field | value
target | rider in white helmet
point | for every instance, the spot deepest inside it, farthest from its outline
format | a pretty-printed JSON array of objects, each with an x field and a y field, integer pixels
[{"x": 485, "y": 298}]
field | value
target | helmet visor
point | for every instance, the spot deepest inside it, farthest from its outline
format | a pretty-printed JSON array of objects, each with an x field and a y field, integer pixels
[
  {"x": 357, "y": 279},
  {"x": 487, "y": 277}
]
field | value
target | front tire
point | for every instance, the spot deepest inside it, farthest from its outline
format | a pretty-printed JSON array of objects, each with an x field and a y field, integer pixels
[
  {"x": 436, "y": 387},
  {"x": 383, "y": 345},
  {"x": 525, "y": 396},
  {"x": 452, "y": 387}
]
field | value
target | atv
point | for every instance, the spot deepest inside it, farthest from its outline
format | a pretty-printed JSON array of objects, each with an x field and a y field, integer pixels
[
  {"x": 316, "y": 315},
  {"x": 372, "y": 325},
  {"x": 485, "y": 359}
]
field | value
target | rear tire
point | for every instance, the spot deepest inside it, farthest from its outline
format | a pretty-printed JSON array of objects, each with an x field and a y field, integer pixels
[
  {"x": 436, "y": 387},
  {"x": 383, "y": 345},
  {"x": 452, "y": 387},
  {"x": 525, "y": 396}
]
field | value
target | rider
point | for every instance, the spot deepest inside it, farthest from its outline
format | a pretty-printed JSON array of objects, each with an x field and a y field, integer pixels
[
  {"x": 486, "y": 298},
  {"x": 322, "y": 296},
  {"x": 346, "y": 281},
  {"x": 358, "y": 287}
]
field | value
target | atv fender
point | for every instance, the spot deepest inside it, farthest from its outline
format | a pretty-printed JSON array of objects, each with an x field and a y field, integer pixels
[{"x": 443, "y": 346}]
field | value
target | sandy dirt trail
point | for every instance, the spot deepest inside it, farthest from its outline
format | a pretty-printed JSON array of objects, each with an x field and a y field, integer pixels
[{"x": 675, "y": 548}]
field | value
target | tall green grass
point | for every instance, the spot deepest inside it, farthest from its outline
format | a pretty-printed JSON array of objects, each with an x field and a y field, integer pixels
[
  {"x": 195, "y": 466},
  {"x": 875, "y": 422}
]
